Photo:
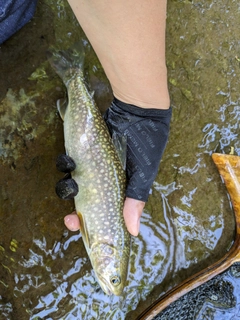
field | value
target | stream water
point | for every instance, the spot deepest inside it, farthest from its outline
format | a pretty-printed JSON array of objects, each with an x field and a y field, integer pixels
[{"x": 188, "y": 222}]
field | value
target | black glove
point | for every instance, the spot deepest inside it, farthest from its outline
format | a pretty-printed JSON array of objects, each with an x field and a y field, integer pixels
[
  {"x": 146, "y": 131},
  {"x": 67, "y": 187}
]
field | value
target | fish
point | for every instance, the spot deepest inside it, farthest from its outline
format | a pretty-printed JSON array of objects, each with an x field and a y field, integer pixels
[{"x": 99, "y": 173}]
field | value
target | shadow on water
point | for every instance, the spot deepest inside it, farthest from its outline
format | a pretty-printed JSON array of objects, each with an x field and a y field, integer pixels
[{"x": 188, "y": 222}]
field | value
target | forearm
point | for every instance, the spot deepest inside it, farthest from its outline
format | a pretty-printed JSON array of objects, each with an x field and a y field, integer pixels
[{"x": 129, "y": 39}]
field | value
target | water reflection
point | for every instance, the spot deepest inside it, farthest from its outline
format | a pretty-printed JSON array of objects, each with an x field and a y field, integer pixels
[
  {"x": 226, "y": 133},
  {"x": 80, "y": 297}
]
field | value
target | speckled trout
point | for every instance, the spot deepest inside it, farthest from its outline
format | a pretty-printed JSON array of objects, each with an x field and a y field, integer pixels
[{"x": 99, "y": 174}]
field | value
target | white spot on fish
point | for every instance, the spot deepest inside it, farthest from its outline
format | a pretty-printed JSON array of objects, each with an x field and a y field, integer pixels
[{"x": 84, "y": 139}]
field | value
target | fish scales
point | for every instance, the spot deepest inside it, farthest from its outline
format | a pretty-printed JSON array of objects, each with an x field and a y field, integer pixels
[
  {"x": 97, "y": 166},
  {"x": 99, "y": 174}
]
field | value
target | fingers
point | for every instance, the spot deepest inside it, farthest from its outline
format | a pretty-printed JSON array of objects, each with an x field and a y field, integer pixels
[
  {"x": 72, "y": 221},
  {"x": 65, "y": 163},
  {"x": 132, "y": 212},
  {"x": 67, "y": 187}
]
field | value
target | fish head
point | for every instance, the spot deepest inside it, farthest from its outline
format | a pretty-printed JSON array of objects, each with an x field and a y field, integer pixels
[{"x": 110, "y": 268}]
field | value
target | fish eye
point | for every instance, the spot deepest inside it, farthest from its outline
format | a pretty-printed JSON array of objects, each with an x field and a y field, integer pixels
[{"x": 115, "y": 281}]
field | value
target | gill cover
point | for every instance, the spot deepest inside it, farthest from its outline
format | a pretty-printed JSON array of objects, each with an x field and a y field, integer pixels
[{"x": 108, "y": 268}]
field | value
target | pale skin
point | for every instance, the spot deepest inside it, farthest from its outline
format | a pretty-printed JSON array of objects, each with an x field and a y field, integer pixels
[{"x": 128, "y": 37}]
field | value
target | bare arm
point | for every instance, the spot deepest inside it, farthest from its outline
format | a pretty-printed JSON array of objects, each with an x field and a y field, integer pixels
[{"x": 129, "y": 38}]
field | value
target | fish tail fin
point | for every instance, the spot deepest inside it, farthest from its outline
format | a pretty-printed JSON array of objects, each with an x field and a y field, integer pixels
[{"x": 66, "y": 62}]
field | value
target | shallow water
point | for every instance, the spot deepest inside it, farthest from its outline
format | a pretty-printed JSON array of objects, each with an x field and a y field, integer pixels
[{"x": 188, "y": 222}]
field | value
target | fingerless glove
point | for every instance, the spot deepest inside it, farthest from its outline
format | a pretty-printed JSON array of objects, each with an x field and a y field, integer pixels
[{"x": 146, "y": 131}]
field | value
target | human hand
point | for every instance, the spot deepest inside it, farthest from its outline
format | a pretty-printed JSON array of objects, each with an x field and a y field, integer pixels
[
  {"x": 132, "y": 212},
  {"x": 146, "y": 132},
  {"x": 67, "y": 188}
]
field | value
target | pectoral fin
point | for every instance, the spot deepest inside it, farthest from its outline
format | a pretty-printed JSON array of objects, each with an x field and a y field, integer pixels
[
  {"x": 62, "y": 107},
  {"x": 83, "y": 230}
]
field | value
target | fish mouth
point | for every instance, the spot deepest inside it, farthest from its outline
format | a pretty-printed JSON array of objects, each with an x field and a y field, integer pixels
[
  {"x": 104, "y": 285},
  {"x": 114, "y": 288}
]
